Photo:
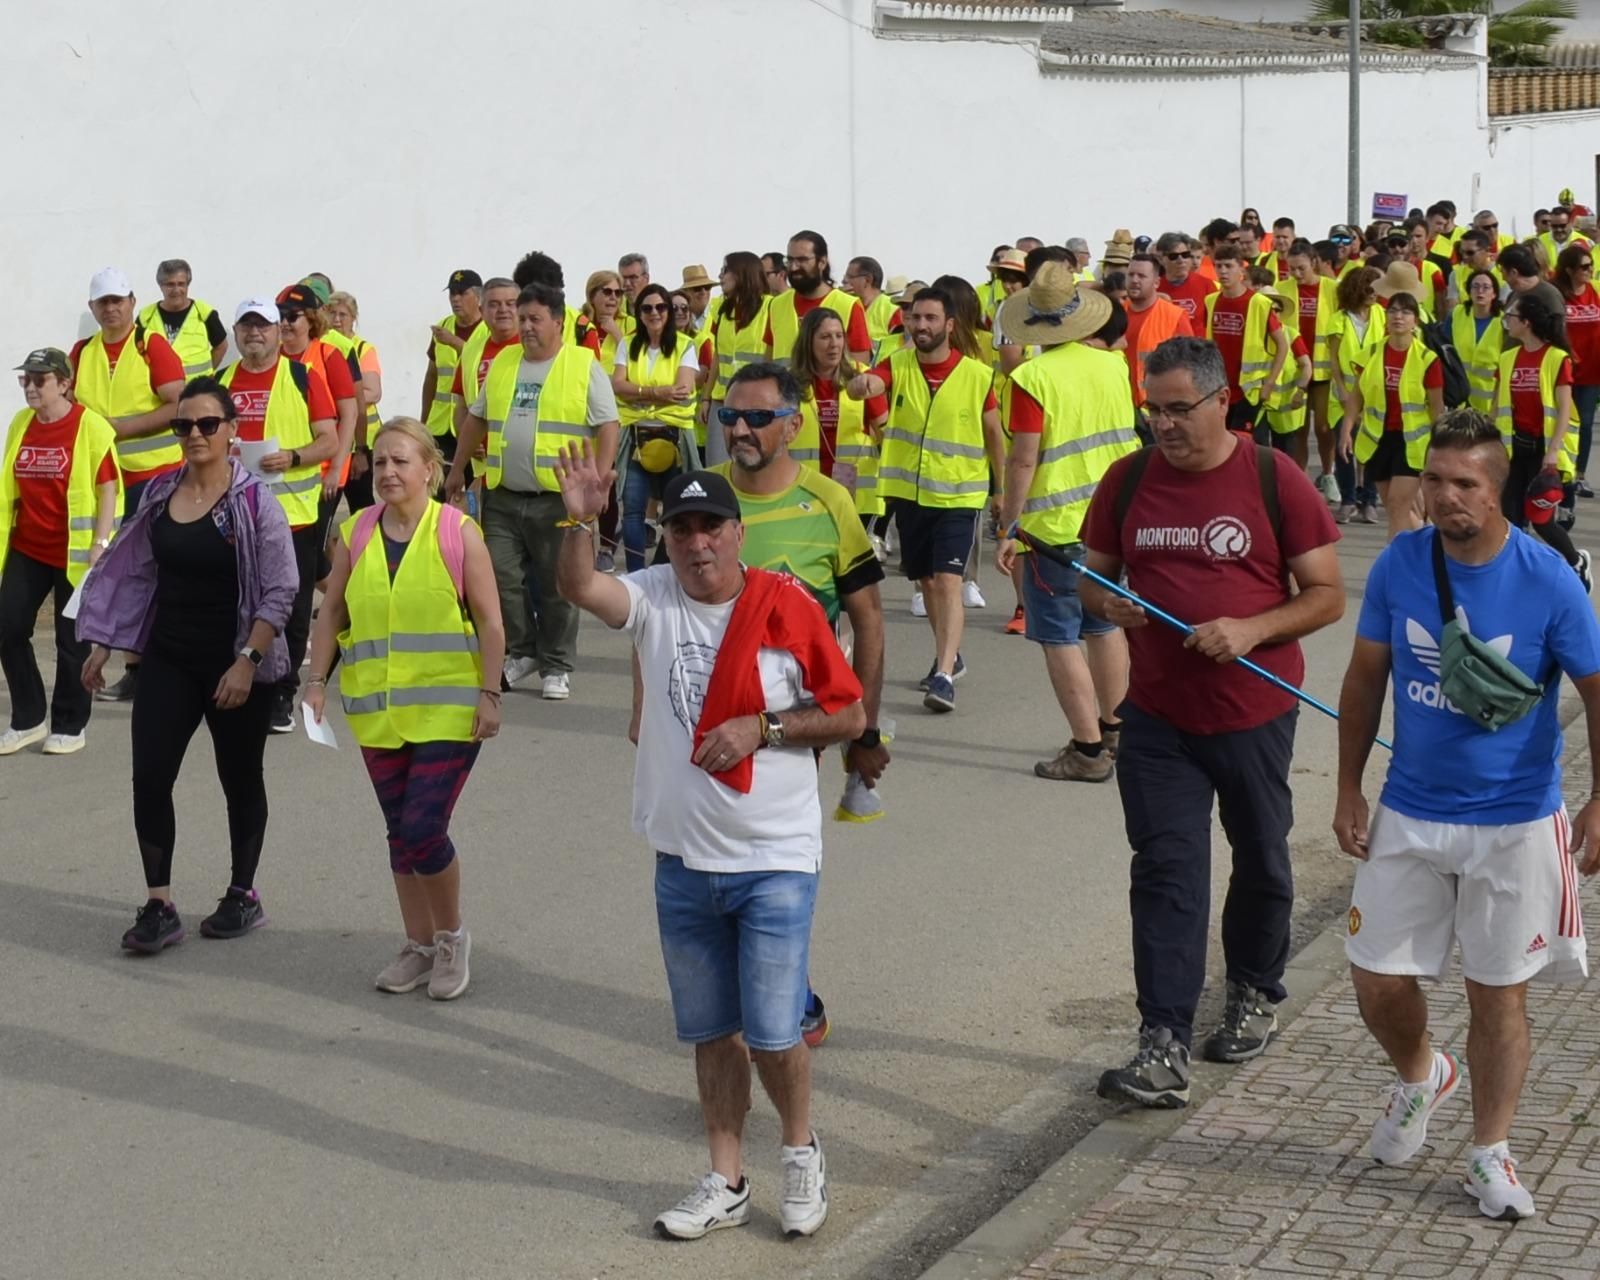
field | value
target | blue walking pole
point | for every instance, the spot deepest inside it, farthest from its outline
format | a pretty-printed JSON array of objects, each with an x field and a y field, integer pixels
[{"x": 1178, "y": 624}]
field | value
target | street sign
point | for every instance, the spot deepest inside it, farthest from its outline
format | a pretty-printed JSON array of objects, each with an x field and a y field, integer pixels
[{"x": 1386, "y": 204}]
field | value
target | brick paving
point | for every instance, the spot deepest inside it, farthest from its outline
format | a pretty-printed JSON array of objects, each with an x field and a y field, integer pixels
[{"x": 1270, "y": 1177}]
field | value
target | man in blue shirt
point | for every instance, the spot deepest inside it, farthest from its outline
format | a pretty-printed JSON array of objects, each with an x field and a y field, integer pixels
[{"x": 1470, "y": 842}]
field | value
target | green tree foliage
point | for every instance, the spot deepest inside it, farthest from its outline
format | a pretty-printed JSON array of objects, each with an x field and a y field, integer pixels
[{"x": 1519, "y": 36}]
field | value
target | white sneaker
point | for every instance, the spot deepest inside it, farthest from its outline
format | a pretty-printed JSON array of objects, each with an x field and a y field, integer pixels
[
  {"x": 517, "y": 669},
  {"x": 13, "y": 740},
  {"x": 712, "y": 1205},
  {"x": 1329, "y": 485},
  {"x": 972, "y": 597},
  {"x": 63, "y": 744},
  {"x": 556, "y": 686},
  {"x": 803, "y": 1208},
  {"x": 919, "y": 607},
  {"x": 1492, "y": 1181},
  {"x": 1403, "y": 1127}
]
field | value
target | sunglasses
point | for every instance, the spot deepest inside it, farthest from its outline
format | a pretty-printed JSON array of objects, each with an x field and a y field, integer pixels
[
  {"x": 32, "y": 379},
  {"x": 181, "y": 427},
  {"x": 611, "y": 291},
  {"x": 288, "y": 315},
  {"x": 1178, "y": 257},
  {"x": 651, "y": 308},
  {"x": 755, "y": 418}
]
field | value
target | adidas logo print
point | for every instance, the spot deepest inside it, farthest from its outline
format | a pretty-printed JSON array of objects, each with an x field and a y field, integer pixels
[
  {"x": 1536, "y": 945},
  {"x": 692, "y": 490}
]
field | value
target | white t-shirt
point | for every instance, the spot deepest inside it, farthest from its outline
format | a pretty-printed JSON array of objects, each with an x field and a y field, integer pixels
[
  {"x": 679, "y": 807},
  {"x": 687, "y": 357}
]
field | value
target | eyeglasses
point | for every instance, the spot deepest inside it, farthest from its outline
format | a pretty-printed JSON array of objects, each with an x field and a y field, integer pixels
[
  {"x": 1586, "y": 265},
  {"x": 651, "y": 308},
  {"x": 181, "y": 427},
  {"x": 610, "y": 290},
  {"x": 32, "y": 379},
  {"x": 799, "y": 262},
  {"x": 1176, "y": 412},
  {"x": 755, "y": 418}
]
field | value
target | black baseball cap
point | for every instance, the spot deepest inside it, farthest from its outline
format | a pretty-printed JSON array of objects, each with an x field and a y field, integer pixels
[
  {"x": 297, "y": 297},
  {"x": 702, "y": 491},
  {"x": 47, "y": 360},
  {"x": 461, "y": 281}
]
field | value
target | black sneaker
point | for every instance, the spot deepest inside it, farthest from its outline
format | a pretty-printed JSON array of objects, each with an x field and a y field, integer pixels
[
  {"x": 1157, "y": 1076},
  {"x": 238, "y": 911},
  {"x": 282, "y": 716},
  {"x": 1248, "y": 1022},
  {"x": 155, "y": 927},
  {"x": 122, "y": 691}
]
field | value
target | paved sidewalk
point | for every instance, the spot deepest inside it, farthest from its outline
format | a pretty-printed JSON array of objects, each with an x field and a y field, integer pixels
[{"x": 1270, "y": 1176}]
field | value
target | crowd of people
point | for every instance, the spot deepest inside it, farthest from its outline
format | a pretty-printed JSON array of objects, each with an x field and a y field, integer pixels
[{"x": 1130, "y": 430}]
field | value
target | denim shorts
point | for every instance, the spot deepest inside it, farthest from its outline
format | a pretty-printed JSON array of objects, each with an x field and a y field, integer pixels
[
  {"x": 736, "y": 947},
  {"x": 1050, "y": 602}
]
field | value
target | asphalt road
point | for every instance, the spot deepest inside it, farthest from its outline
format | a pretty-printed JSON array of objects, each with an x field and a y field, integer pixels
[{"x": 256, "y": 1108}]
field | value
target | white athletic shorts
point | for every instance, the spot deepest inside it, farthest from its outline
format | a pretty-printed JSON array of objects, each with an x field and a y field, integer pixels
[{"x": 1508, "y": 894}]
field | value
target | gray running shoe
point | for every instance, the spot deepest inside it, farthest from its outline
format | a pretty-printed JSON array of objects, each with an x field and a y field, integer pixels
[
  {"x": 1248, "y": 1022},
  {"x": 1157, "y": 1076}
]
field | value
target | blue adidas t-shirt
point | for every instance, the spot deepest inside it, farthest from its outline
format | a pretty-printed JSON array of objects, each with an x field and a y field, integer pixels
[{"x": 1527, "y": 603}]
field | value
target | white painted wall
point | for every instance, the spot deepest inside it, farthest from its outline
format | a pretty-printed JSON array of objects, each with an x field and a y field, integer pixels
[{"x": 387, "y": 143}]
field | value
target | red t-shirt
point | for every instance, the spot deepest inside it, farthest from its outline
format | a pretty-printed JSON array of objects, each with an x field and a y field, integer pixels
[
  {"x": 1199, "y": 545},
  {"x": 856, "y": 337},
  {"x": 1310, "y": 298},
  {"x": 491, "y": 349},
  {"x": 827, "y": 396},
  {"x": 1191, "y": 295},
  {"x": 1583, "y": 336},
  {"x": 1027, "y": 414},
  {"x": 1394, "y": 363},
  {"x": 162, "y": 360},
  {"x": 1227, "y": 331},
  {"x": 1527, "y": 401},
  {"x": 251, "y": 391},
  {"x": 43, "y": 465},
  {"x": 934, "y": 373}
]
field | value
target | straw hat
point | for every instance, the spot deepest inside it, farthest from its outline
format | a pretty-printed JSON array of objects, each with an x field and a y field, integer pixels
[
  {"x": 1119, "y": 249},
  {"x": 695, "y": 277},
  {"x": 1012, "y": 260},
  {"x": 912, "y": 289},
  {"x": 1401, "y": 277},
  {"x": 895, "y": 286},
  {"x": 1052, "y": 309},
  {"x": 1288, "y": 308}
]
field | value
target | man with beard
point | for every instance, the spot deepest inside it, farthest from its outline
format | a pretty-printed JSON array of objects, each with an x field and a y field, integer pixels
[
  {"x": 1470, "y": 842},
  {"x": 811, "y": 286}
]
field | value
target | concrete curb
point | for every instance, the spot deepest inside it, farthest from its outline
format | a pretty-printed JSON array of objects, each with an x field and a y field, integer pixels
[{"x": 1024, "y": 1228}]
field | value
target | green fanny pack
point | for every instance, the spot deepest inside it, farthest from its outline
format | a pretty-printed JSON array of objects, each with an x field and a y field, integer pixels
[{"x": 1485, "y": 686}]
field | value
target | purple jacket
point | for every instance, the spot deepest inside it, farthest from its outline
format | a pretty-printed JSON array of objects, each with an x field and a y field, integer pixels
[{"x": 118, "y": 602}]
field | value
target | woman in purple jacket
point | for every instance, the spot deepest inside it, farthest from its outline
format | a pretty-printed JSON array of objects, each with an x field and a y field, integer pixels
[{"x": 199, "y": 581}]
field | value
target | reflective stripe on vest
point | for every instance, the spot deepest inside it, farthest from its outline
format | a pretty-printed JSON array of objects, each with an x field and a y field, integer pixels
[
  {"x": 1256, "y": 360},
  {"x": 1084, "y": 394},
  {"x": 663, "y": 374},
  {"x": 933, "y": 445},
  {"x": 1480, "y": 356},
  {"x": 737, "y": 347},
  {"x": 191, "y": 343},
  {"x": 564, "y": 397},
  {"x": 94, "y": 439},
  {"x": 1549, "y": 368},
  {"x": 288, "y": 421},
  {"x": 446, "y": 360},
  {"x": 125, "y": 393},
  {"x": 411, "y": 669},
  {"x": 1416, "y": 419}
]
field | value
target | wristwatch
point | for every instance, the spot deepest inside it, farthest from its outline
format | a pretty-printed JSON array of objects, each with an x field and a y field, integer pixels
[
  {"x": 871, "y": 740},
  {"x": 255, "y": 655},
  {"x": 771, "y": 729},
  {"x": 294, "y": 458}
]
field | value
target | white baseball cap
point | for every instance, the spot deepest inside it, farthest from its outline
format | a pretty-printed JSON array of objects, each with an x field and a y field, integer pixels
[
  {"x": 108, "y": 282},
  {"x": 266, "y": 308}
]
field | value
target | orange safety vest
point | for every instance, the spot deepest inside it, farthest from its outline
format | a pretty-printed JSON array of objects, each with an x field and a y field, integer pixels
[
  {"x": 316, "y": 356},
  {"x": 1161, "y": 323}
]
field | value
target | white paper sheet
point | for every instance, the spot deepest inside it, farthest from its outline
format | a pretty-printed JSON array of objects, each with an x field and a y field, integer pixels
[
  {"x": 320, "y": 733},
  {"x": 252, "y": 451},
  {"x": 70, "y": 612}
]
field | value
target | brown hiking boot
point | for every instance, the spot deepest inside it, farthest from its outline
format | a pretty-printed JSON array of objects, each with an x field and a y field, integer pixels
[{"x": 1071, "y": 765}]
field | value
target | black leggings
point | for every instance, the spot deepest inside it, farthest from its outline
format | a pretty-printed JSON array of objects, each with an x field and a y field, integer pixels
[
  {"x": 169, "y": 702},
  {"x": 1527, "y": 460},
  {"x": 307, "y": 546}
]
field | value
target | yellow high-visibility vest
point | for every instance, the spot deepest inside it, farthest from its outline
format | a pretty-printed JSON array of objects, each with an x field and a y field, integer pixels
[
  {"x": 1354, "y": 351},
  {"x": 736, "y": 347},
  {"x": 1549, "y": 367},
  {"x": 446, "y": 359},
  {"x": 288, "y": 422},
  {"x": 1480, "y": 356},
  {"x": 192, "y": 343},
  {"x": 94, "y": 440},
  {"x": 563, "y": 411},
  {"x": 664, "y": 374},
  {"x": 933, "y": 446},
  {"x": 1088, "y": 424},
  {"x": 784, "y": 317},
  {"x": 410, "y": 669},
  {"x": 1416, "y": 419},
  {"x": 125, "y": 393},
  {"x": 1256, "y": 361}
]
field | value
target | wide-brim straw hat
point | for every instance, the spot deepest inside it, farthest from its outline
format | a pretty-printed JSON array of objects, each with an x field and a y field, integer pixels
[
  {"x": 1012, "y": 260},
  {"x": 895, "y": 286},
  {"x": 908, "y": 294},
  {"x": 1401, "y": 277},
  {"x": 1286, "y": 306},
  {"x": 1053, "y": 309},
  {"x": 696, "y": 277},
  {"x": 1119, "y": 249}
]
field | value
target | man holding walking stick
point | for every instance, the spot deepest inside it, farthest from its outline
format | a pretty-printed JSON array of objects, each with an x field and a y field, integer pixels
[{"x": 1213, "y": 530}]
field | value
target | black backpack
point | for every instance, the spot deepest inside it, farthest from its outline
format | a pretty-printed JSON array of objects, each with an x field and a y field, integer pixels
[{"x": 1438, "y": 339}]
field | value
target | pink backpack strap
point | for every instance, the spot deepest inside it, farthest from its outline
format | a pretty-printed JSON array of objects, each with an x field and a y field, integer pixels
[
  {"x": 366, "y": 525},
  {"x": 451, "y": 547}
]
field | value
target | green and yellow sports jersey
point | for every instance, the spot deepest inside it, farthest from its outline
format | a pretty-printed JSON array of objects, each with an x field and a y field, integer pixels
[{"x": 811, "y": 530}]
